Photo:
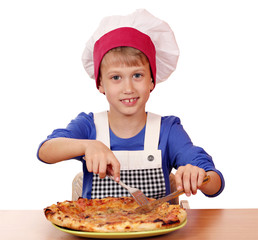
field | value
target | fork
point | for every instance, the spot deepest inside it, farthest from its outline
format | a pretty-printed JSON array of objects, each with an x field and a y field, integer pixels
[{"x": 137, "y": 194}]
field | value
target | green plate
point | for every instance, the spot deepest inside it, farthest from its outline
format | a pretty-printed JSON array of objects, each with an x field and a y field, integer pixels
[{"x": 120, "y": 234}]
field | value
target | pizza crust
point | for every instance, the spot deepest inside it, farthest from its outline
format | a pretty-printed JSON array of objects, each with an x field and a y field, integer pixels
[{"x": 113, "y": 215}]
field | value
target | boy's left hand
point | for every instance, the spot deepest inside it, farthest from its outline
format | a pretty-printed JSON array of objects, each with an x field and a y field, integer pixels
[{"x": 189, "y": 178}]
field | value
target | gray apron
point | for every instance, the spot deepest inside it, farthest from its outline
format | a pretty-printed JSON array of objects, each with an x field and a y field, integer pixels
[{"x": 141, "y": 169}]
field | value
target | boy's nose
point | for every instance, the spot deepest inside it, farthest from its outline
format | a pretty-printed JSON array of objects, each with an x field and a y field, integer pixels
[{"x": 128, "y": 86}]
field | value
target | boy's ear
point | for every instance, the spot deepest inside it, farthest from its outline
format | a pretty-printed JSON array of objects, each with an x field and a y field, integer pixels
[
  {"x": 101, "y": 88},
  {"x": 152, "y": 85}
]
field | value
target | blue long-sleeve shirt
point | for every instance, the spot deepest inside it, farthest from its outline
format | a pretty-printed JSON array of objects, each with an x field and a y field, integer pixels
[{"x": 176, "y": 147}]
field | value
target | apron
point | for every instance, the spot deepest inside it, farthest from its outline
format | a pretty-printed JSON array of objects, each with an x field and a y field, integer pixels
[{"x": 140, "y": 169}]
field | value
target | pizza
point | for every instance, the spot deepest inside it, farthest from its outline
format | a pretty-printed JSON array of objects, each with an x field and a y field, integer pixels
[{"x": 113, "y": 214}]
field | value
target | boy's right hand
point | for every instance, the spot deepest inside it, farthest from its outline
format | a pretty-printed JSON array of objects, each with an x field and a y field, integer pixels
[{"x": 100, "y": 160}]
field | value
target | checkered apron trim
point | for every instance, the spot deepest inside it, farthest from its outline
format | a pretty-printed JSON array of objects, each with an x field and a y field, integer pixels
[
  {"x": 149, "y": 181},
  {"x": 137, "y": 171}
]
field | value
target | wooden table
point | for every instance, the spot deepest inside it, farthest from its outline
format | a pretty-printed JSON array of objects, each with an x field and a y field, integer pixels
[{"x": 221, "y": 224}]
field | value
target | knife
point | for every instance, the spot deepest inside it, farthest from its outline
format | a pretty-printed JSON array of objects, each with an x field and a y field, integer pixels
[{"x": 152, "y": 205}]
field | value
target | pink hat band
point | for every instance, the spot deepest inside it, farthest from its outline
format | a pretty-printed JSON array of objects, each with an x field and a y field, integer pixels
[{"x": 124, "y": 36}]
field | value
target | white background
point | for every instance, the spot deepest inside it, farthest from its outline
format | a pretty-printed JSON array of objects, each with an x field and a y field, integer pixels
[{"x": 44, "y": 86}]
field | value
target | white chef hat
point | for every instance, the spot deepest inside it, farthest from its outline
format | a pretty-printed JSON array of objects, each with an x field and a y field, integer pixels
[{"x": 140, "y": 30}]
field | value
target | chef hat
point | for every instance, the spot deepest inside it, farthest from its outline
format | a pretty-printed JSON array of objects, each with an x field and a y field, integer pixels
[{"x": 139, "y": 30}]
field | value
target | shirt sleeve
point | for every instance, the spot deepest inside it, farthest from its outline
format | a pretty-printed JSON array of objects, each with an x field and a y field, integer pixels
[
  {"x": 82, "y": 127},
  {"x": 183, "y": 152}
]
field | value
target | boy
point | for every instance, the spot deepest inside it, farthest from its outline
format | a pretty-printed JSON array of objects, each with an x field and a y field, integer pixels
[{"x": 127, "y": 56}]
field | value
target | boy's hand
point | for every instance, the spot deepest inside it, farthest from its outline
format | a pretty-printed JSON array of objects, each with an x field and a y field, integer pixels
[
  {"x": 100, "y": 160},
  {"x": 189, "y": 178}
]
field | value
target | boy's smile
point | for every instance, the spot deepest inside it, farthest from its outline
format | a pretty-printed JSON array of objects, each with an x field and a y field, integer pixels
[{"x": 129, "y": 101}]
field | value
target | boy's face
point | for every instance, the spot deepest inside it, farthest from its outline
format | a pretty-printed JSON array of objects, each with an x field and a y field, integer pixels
[{"x": 127, "y": 88}]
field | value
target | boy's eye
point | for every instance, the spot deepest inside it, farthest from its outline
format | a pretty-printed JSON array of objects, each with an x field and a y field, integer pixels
[
  {"x": 137, "y": 75},
  {"x": 116, "y": 77}
]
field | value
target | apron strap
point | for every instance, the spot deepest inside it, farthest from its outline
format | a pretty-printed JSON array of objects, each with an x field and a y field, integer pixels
[
  {"x": 102, "y": 127},
  {"x": 152, "y": 130}
]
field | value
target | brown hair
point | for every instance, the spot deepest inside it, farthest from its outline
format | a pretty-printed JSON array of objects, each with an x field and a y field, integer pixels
[{"x": 126, "y": 56}]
